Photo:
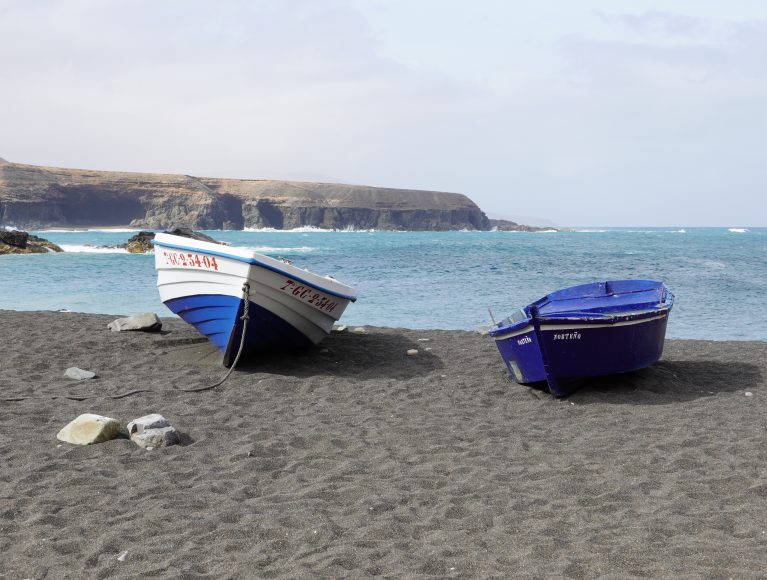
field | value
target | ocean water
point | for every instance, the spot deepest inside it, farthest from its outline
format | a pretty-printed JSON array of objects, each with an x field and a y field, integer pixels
[{"x": 445, "y": 280}]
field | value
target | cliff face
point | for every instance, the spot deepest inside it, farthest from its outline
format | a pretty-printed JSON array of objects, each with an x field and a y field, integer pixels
[{"x": 37, "y": 197}]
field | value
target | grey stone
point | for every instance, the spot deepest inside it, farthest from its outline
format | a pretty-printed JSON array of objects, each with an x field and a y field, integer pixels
[
  {"x": 148, "y": 322},
  {"x": 153, "y": 421},
  {"x": 88, "y": 429},
  {"x": 78, "y": 374},
  {"x": 153, "y": 438}
]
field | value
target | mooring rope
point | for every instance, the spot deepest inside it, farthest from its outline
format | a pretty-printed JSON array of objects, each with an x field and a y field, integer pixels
[{"x": 245, "y": 318}]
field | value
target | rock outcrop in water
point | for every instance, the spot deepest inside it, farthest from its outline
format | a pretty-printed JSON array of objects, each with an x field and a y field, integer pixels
[
  {"x": 510, "y": 226},
  {"x": 34, "y": 197},
  {"x": 18, "y": 242},
  {"x": 141, "y": 243}
]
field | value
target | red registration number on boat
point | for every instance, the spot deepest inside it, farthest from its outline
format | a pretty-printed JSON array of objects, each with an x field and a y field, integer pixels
[
  {"x": 190, "y": 260},
  {"x": 309, "y": 295}
]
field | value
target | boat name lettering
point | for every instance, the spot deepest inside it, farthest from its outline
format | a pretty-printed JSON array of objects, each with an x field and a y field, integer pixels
[
  {"x": 524, "y": 340},
  {"x": 568, "y": 336},
  {"x": 309, "y": 295},
  {"x": 190, "y": 260}
]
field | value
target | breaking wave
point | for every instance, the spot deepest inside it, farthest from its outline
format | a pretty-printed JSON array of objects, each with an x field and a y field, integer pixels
[{"x": 92, "y": 249}]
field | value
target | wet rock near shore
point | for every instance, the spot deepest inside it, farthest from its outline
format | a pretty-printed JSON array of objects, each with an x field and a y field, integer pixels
[
  {"x": 141, "y": 243},
  {"x": 19, "y": 242}
]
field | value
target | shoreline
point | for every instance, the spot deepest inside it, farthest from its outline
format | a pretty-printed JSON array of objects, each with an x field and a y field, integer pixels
[
  {"x": 354, "y": 459},
  {"x": 481, "y": 329}
]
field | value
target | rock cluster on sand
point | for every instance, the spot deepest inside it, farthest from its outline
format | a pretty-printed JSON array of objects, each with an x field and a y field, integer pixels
[
  {"x": 88, "y": 429},
  {"x": 152, "y": 431},
  {"x": 147, "y": 321},
  {"x": 148, "y": 432},
  {"x": 18, "y": 242}
]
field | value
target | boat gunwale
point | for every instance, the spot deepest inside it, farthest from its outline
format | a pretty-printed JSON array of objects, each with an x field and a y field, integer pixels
[{"x": 256, "y": 262}]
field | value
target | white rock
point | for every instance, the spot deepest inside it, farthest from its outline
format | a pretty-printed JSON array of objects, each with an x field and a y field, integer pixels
[
  {"x": 88, "y": 429},
  {"x": 78, "y": 374},
  {"x": 339, "y": 328},
  {"x": 359, "y": 329},
  {"x": 153, "y": 421},
  {"x": 424, "y": 339},
  {"x": 412, "y": 352},
  {"x": 152, "y": 438},
  {"x": 148, "y": 321},
  {"x": 749, "y": 394}
]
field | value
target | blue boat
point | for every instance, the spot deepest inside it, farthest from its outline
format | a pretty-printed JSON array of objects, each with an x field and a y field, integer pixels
[{"x": 590, "y": 330}]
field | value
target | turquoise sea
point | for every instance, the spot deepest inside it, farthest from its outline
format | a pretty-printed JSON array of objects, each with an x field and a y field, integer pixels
[{"x": 444, "y": 280}]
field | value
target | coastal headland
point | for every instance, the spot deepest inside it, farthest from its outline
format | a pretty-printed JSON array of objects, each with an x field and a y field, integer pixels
[
  {"x": 35, "y": 197},
  {"x": 354, "y": 460}
]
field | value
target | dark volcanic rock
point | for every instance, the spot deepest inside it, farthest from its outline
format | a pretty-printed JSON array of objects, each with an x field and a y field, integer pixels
[
  {"x": 18, "y": 242},
  {"x": 187, "y": 233},
  {"x": 14, "y": 238},
  {"x": 36, "y": 197},
  {"x": 142, "y": 241}
]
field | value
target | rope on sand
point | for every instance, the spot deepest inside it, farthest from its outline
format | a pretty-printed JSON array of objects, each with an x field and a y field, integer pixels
[{"x": 245, "y": 318}]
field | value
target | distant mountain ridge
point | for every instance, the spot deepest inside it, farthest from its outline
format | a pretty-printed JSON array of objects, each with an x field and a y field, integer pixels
[{"x": 34, "y": 197}]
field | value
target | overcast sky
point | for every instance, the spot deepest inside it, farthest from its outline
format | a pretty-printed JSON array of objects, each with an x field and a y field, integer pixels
[{"x": 585, "y": 112}]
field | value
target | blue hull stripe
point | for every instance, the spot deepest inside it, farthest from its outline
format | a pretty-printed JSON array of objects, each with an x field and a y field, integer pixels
[{"x": 218, "y": 318}]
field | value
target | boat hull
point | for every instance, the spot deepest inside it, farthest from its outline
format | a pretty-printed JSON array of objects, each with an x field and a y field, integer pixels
[
  {"x": 589, "y": 350},
  {"x": 208, "y": 285},
  {"x": 577, "y": 345}
]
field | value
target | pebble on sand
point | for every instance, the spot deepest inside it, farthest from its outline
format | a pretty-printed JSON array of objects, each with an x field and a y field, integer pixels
[
  {"x": 148, "y": 322},
  {"x": 78, "y": 374},
  {"x": 88, "y": 429},
  {"x": 412, "y": 352}
]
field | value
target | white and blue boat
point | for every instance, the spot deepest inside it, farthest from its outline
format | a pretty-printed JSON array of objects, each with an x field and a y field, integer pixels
[
  {"x": 590, "y": 330},
  {"x": 220, "y": 289}
]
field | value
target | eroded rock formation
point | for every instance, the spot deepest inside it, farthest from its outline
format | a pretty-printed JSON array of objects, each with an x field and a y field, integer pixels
[
  {"x": 18, "y": 242},
  {"x": 34, "y": 197}
]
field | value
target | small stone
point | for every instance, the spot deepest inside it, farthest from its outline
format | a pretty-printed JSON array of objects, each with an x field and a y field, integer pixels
[
  {"x": 359, "y": 329},
  {"x": 153, "y": 421},
  {"x": 424, "y": 339},
  {"x": 325, "y": 351},
  {"x": 148, "y": 322},
  {"x": 412, "y": 352},
  {"x": 78, "y": 374},
  {"x": 749, "y": 394},
  {"x": 88, "y": 429},
  {"x": 151, "y": 438},
  {"x": 121, "y": 557},
  {"x": 339, "y": 328}
]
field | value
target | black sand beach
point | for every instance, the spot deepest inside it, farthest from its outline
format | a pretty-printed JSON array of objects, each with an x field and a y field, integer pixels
[{"x": 357, "y": 460}]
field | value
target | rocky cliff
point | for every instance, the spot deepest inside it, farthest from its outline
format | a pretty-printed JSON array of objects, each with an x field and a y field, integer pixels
[{"x": 34, "y": 197}]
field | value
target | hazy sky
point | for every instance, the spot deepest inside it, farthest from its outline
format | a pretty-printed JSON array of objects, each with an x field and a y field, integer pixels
[{"x": 592, "y": 112}]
